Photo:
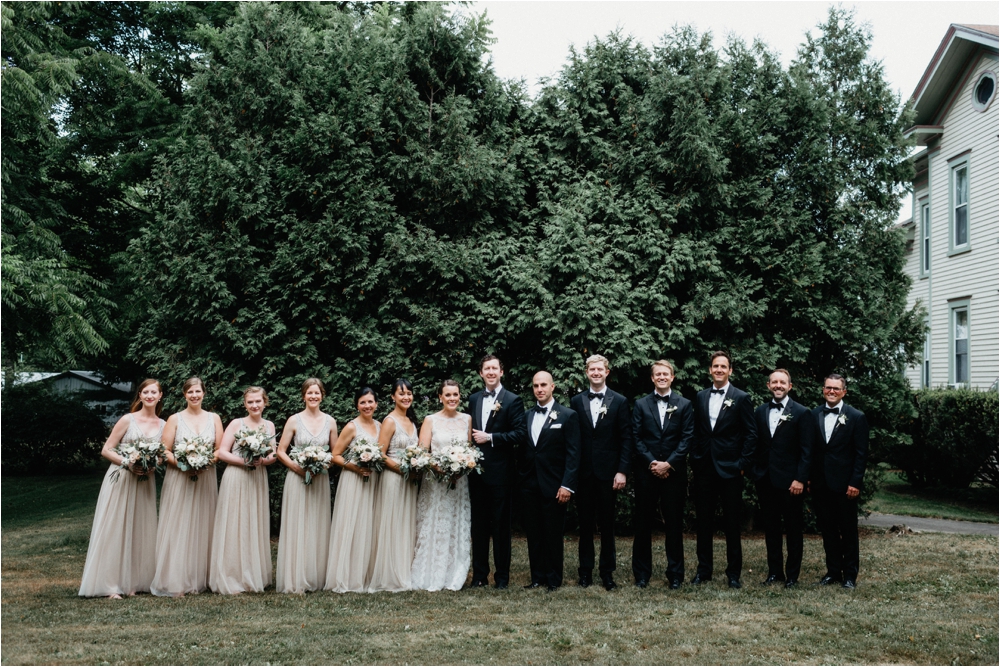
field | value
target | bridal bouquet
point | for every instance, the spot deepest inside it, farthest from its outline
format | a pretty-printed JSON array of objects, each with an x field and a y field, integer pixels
[
  {"x": 457, "y": 460},
  {"x": 414, "y": 462},
  {"x": 315, "y": 459},
  {"x": 194, "y": 455},
  {"x": 366, "y": 454},
  {"x": 143, "y": 452},
  {"x": 254, "y": 444}
]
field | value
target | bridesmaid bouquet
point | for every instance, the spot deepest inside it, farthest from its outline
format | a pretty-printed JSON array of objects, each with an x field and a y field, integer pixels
[
  {"x": 366, "y": 454},
  {"x": 143, "y": 452},
  {"x": 457, "y": 460},
  {"x": 315, "y": 459},
  {"x": 415, "y": 461},
  {"x": 254, "y": 444},
  {"x": 194, "y": 455}
]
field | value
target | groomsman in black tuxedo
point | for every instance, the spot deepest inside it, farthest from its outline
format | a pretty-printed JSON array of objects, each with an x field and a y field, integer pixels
[
  {"x": 663, "y": 427},
  {"x": 547, "y": 464},
  {"x": 785, "y": 432},
  {"x": 839, "y": 460},
  {"x": 497, "y": 428},
  {"x": 605, "y": 450},
  {"x": 724, "y": 436}
]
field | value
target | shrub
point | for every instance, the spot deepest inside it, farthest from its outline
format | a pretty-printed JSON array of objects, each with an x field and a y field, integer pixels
[
  {"x": 954, "y": 438},
  {"x": 47, "y": 431}
]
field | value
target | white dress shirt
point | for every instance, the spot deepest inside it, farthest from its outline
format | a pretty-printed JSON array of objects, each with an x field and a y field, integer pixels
[
  {"x": 662, "y": 406},
  {"x": 596, "y": 403},
  {"x": 774, "y": 416},
  {"x": 489, "y": 402},
  {"x": 539, "y": 421},
  {"x": 830, "y": 419},
  {"x": 715, "y": 404}
]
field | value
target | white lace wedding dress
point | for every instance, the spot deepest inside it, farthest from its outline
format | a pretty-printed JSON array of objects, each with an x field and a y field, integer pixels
[{"x": 444, "y": 517}]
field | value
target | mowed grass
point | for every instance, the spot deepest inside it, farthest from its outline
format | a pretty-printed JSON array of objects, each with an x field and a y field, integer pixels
[
  {"x": 897, "y": 496},
  {"x": 922, "y": 599}
]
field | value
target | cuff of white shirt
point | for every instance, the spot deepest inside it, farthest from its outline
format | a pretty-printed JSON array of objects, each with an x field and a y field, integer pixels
[{"x": 568, "y": 489}]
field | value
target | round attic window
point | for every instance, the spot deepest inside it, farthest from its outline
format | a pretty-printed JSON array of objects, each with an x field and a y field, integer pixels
[{"x": 985, "y": 91}]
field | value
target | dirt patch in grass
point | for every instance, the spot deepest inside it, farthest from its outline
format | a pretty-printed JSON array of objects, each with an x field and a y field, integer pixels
[{"x": 922, "y": 599}]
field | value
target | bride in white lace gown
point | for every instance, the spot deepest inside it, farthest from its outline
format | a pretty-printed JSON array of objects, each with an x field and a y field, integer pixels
[{"x": 444, "y": 518}]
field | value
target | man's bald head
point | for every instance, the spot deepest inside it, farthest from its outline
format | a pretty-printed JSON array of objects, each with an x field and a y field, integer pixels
[{"x": 543, "y": 386}]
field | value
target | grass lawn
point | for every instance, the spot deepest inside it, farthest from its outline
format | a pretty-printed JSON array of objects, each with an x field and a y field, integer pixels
[
  {"x": 897, "y": 496},
  {"x": 922, "y": 599}
]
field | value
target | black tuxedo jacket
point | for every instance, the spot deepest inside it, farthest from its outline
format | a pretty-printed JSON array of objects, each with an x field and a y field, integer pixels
[
  {"x": 670, "y": 443},
  {"x": 729, "y": 446},
  {"x": 605, "y": 449},
  {"x": 841, "y": 462},
  {"x": 506, "y": 425},
  {"x": 555, "y": 460},
  {"x": 786, "y": 456}
]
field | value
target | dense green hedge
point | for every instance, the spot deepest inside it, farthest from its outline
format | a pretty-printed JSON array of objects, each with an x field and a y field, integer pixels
[{"x": 954, "y": 438}]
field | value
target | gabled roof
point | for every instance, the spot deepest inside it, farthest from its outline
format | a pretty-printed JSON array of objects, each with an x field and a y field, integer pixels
[
  {"x": 960, "y": 44},
  {"x": 87, "y": 376}
]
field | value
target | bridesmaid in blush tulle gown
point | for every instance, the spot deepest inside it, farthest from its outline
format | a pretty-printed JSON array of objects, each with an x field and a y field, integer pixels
[
  {"x": 121, "y": 558},
  {"x": 305, "y": 508},
  {"x": 241, "y": 541},
  {"x": 349, "y": 564},
  {"x": 187, "y": 507},
  {"x": 444, "y": 516},
  {"x": 396, "y": 501}
]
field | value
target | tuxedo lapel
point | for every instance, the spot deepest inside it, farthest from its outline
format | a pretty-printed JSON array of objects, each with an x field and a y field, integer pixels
[
  {"x": 494, "y": 411},
  {"x": 781, "y": 422},
  {"x": 723, "y": 411},
  {"x": 545, "y": 428},
  {"x": 605, "y": 406}
]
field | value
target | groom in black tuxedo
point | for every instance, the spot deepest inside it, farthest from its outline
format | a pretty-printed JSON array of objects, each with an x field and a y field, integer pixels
[
  {"x": 724, "y": 437},
  {"x": 497, "y": 428},
  {"x": 785, "y": 432},
  {"x": 547, "y": 464},
  {"x": 663, "y": 427},
  {"x": 605, "y": 450},
  {"x": 838, "y": 472}
]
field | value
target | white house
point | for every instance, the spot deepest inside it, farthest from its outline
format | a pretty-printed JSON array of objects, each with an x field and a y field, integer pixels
[
  {"x": 109, "y": 400},
  {"x": 953, "y": 253}
]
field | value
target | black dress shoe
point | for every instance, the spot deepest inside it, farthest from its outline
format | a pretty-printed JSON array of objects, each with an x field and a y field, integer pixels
[
  {"x": 849, "y": 583},
  {"x": 501, "y": 586},
  {"x": 772, "y": 579},
  {"x": 699, "y": 580},
  {"x": 533, "y": 585},
  {"x": 791, "y": 583},
  {"x": 828, "y": 580},
  {"x": 642, "y": 583},
  {"x": 552, "y": 588},
  {"x": 609, "y": 584},
  {"x": 479, "y": 583},
  {"x": 584, "y": 582},
  {"x": 735, "y": 583},
  {"x": 675, "y": 584}
]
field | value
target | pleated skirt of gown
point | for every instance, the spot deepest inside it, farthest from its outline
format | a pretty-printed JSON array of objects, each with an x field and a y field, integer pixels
[
  {"x": 305, "y": 534},
  {"x": 351, "y": 533},
  {"x": 241, "y": 541},
  {"x": 395, "y": 534},
  {"x": 121, "y": 558},
  {"x": 184, "y": 537}
]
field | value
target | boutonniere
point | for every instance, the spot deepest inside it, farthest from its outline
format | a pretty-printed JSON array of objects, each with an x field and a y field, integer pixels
[
  {"x": 842, "y": 419},
  {"x": 553, "y": 415},
  {"x": 671, "y": 409},
  {"x": 787, "y": 417},
  {"x": 496, "y": 407},
  {"x": 728, "y": 403},
  {"x": 603, "y": 411}
]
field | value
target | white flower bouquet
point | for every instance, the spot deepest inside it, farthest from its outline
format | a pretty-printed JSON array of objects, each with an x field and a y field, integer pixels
[
  {"x": 365, "y": 454},
  {"x": 457, "y": 460},
  {"x": 194, "y": 455},
  {"x": 143, "y": 452},
  {"x": 254, "y": 444},
  {"x": 414, "y": 462},
  {"x": 314, "y": 459}
]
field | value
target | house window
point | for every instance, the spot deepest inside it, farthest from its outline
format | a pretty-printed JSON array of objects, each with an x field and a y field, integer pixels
[
  {"x": 960, "y": 207},
  {"x": 925, "y": 370},
  {"x": 960, "y": 343},
  {"x": 925, "y": 238},
  {"x": 984, "y": 91}
]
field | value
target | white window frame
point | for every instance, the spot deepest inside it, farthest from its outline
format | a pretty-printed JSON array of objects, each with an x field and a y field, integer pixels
[
  {"x": 959, "y": 165},
  {"x": 959, "y": 373},
  {"x": 925, "y": 237}
]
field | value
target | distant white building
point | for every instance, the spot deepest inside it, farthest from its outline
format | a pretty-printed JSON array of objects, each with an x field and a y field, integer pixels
[
  {"x": 109, "y": 400},
  {"x": 953, "y": 249}
]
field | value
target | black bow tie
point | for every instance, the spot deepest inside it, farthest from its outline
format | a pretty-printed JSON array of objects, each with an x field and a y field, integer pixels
[
  {"x": 540, "y": 410},
  {"x": 665, "y": 399},
  {"x": 718, "y": 391},
  {"x": 831, "y": 411},
  {"x": 777, "y": 406},
  {"x": 593, "y": 395},
  {"x": 491, "y": 394}
]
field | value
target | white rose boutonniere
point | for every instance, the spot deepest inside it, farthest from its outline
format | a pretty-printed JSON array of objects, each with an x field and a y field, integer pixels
[
  {"x": 496, "y": 407},
  {"x": 728, "y": 403},
  {"x": 842, "y": 419},
  {"x": 553, "y": 415},
  {"x": 603, "y": 411},
  {"x": 671, "y": 409},
  {"x": 787, "y": 417}
]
